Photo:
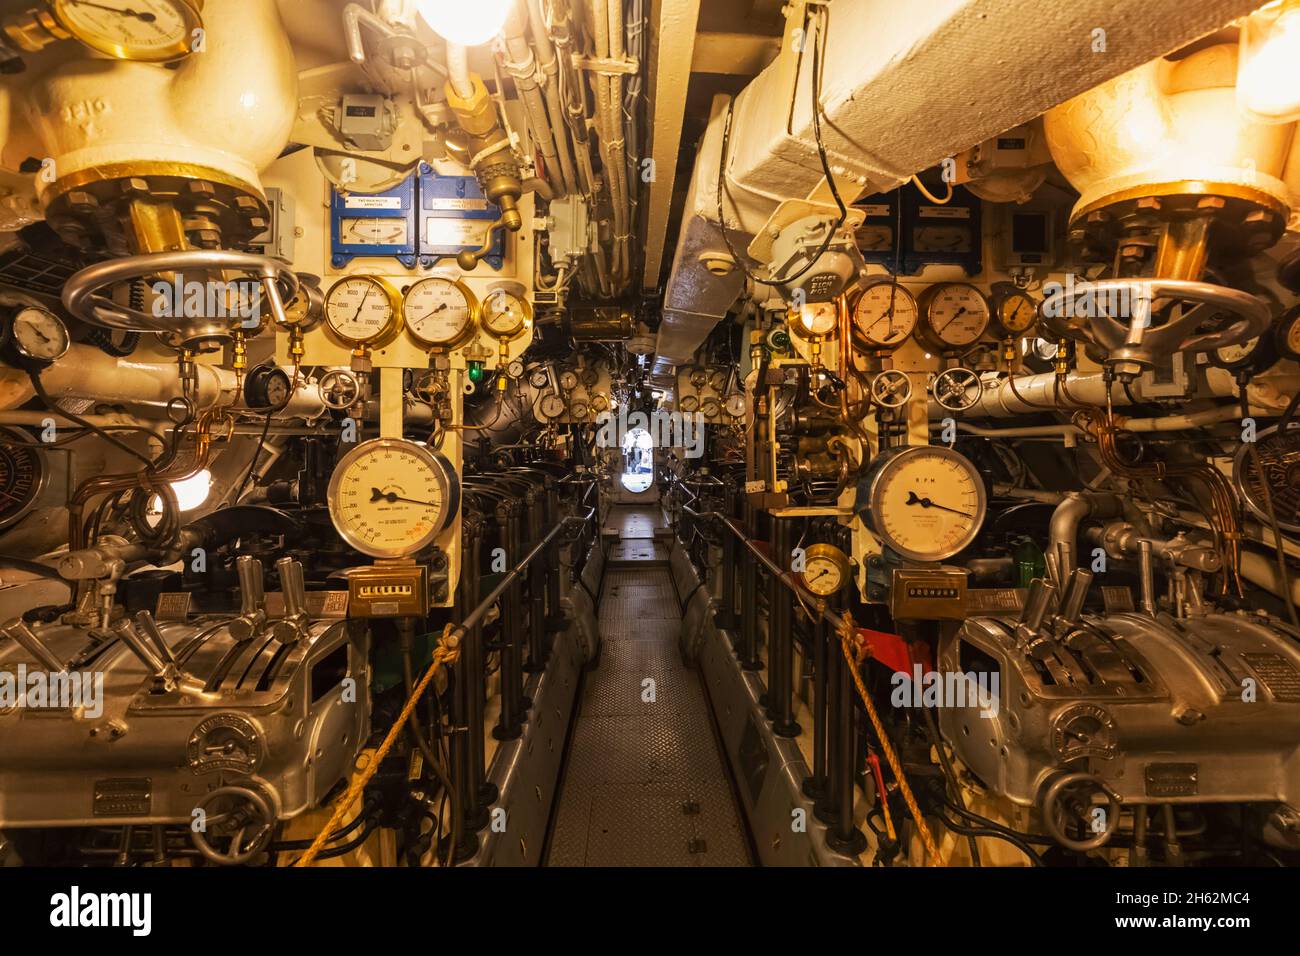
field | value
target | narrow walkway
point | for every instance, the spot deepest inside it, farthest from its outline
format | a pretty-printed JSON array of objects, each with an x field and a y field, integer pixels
[{"x": 644, "y": 780}]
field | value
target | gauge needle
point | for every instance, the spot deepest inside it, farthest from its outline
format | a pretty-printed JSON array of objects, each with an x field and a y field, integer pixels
[
  {"x": 431, "y": 313},
  {"x": 393, "y": 497},
  {"x": 914, "y": 499},
  {"x": 127, "y": 12},
  {"x": 955, "y": 316},
  {"x": 364, "y": 299}
]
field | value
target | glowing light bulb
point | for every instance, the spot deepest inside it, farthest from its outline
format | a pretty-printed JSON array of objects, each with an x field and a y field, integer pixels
[
  {"x": 190, "y": 492},
  {"x": 467, "y": 22},
  {"x": 1268, "y": 67}
]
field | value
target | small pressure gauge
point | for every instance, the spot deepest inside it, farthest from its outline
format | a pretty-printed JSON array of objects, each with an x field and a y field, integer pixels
[
  {"x": 506, "y": 315},
  {"x": 148, "y": 31},
  {"x": 689, "y": 404},
  {"x": 37, "y": 337},
  {"x": 1287, "y": 336},
  {"x": 826, "y": 569},
  {"x": 884, "y": 315},
  {"x": 815, "y": 319},
  {"x": 579, "y": 410},
  {"x": 363, "y": 311},
  {"x": 589, "y": 377},
  {"x": 699, "y": 377},
  {"x": 568, "y": 381},
  {"x": 737, "y": 405},
  {"x": 440, "y": 313},
  {"x": 539, "y": 378},
  {"x": 1255, "y": 354},
  {"x": 718, "y": 379},
  {"x": 552, "y": 405},
  {"x": 267, "y": 386},
  {"x": 600, "y": 404},
  {"x": 1014, "y": 313},
  {"x": 710, "y": 408},
  {"x": 515, "y": 369},
  {"x": 953, "y": 316}
]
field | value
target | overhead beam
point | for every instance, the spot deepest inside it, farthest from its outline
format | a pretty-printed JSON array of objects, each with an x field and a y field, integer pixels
[
  {"x": 672, "y": 48},
  {"x": 735, "y": 54}
]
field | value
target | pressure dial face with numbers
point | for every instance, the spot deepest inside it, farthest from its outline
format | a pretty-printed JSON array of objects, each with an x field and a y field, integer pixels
[
  {"x": 505, "y": 315},
  {"x": 151, "y": 31},
  {"x": 389, "y": 497},
  {"x": 826, "y": 569},
  {"x": 953, "y": 315},
  {"x": 363, "y": 310},
  {"x": 440, "y": 313},
  {"x": 884, "y": 315}
]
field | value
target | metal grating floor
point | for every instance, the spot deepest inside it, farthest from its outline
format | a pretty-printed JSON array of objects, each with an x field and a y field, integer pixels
[{"x": 644, "y": 782}]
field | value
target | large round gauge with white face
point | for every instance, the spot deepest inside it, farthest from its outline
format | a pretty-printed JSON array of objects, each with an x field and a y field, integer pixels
[
  {"x": 926, "y": 503},
  {"x": 884, "y": 315},
  {"x": 440, "y": 313},
  {"x": 363, "y": 310},
  {"x": 151, "y": 31},
  {"x": 505, "y": 315},
  {"x": 389, "y": 497},
  {"x": 953, "y": 316}
]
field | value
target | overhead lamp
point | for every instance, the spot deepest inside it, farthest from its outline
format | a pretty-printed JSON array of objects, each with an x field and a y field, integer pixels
[
  {"x": 1268, "y": 65},
  {"x": 465, "y": 22},
  {"x": 190, "y": 492}
]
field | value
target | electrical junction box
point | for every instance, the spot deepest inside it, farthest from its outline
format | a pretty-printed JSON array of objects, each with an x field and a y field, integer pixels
[
  {"x": 366, "y": 121},
  {"x": 456, "y": 217},
  {"x": 374, "y": 224}
]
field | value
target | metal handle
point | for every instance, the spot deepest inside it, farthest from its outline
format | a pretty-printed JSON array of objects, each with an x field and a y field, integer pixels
[
  {"x": 128, "y": 636},
  {"x": 145, "y": 623},
  {"x": 20, "y": 632}
]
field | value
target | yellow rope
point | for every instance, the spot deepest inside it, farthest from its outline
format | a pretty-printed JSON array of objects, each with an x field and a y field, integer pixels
[
  {"x": 444, "y": 654},
  {"x": 848, "y": 641}
]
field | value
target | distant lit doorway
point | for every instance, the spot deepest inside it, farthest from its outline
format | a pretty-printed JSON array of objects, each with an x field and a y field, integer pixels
[{"x": 638, "y": 461}]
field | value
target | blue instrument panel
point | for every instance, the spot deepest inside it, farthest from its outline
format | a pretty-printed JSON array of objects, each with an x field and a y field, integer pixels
[{"x": 425, "y": 218}]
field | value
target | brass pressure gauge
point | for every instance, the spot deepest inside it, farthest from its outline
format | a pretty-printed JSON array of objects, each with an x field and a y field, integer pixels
[
  {"x": 363, "y": 311},
  {"x": 1014, "y": 313},
  {"x": 148, "y": 31},
  {"x": 884, "y": 315},
  {"x": 953, "y": 316},
  {"x": 826, "y": 569},
  {"x": 506, "y": 315},
  {"x": 440, "y": 313},
  {"x": 815, "y": 319}
]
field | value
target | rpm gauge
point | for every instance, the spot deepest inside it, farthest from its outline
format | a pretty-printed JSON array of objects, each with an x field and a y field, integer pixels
[
  {"x": 440, "y": 313},
  {"x": 925, "y": 502},
  {"x": 953, "y": 316},
  {"x": 389, "y": 497},
  {"x": 150, "y": 31},
  {"x": 884, "y": 315},
  {"x": 363, "y": 311}
]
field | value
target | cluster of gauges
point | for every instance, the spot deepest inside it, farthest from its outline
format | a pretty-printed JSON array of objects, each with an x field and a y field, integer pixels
[
  {"x": 571, "y": 395},
  {"x": 711, "y": 392},
  {"x": 948, "y": 317},
  {"x": 438, "y": 313}
]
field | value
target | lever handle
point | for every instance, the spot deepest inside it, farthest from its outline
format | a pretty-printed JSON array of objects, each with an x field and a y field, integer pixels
[
  {"x": 146, "y": 625},
  {"x": 1076, "y": 592},
  {"x": 252, "y": 593},
  {"x": 1037, "y": 603},
  {"x": 128, "y": 636},
  {"x": 294, "y": 587},
  {"x": 20, "y": 632}
]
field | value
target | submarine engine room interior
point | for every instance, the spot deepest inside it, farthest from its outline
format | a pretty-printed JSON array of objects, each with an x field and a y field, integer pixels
[{"x": 649, "y": 433}]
